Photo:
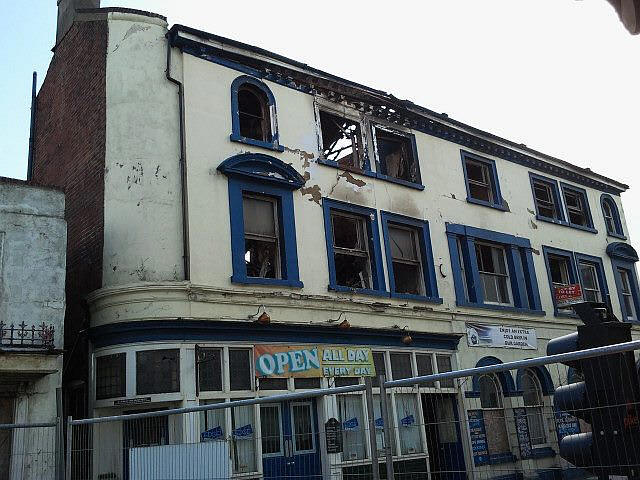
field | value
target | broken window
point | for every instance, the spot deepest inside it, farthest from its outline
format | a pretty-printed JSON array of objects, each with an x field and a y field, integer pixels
[
  {"x": 576, "y": 207},
  {"x": 351, "y": 251},
  {"x": 253, "y": 113},
  {"x": 545, "y": 200},
  {"x": 493, "y": 273},
  {"x": 396, "y": 155},
  {"x": 261, "y": 236},
  {"x": 479, "y": 181},
  {"x": 406, "y": 259},
  {"x": 341, "y": 141},
  {"x": 591, "y": 290}
]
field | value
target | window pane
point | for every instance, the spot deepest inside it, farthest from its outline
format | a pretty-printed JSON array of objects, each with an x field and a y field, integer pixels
[
  {"x": 477, "y": 171},
  {"x": 536, "y": 426},
  {"x": 408, "y": 278},
  {"x": 352, "y": 271},
  {"x": 408, "y": 425},
  {"x": 213, "y": 422},
  {"x": 381, "y": 367},
  {"x": 379, "y": 422},
  {"x": 559, "y": 270},
  {"x": 240, "y": 368},
  {"x": 401, "y": 365},
  {"x": 402, "y": 244},
  {"x": 259, "y": 216},
  {"x": 253, "y": 114},
  {"x": 209, "y": 369},
  {"x": 272, "y": 384},
  {"x": 444, "y": 365},
  {"x": 531, "y": 392},
  {"x": 479, "y": 181},
  {"x": 341, "y": 140},
  {"x": 348, "y": 232},
  {"x": 346, "y": 381},
  {"x": 308, "y": 383},
  {"x": 490, "y": 393},
  {"x": 244, "y": 452},
  {"x": 353, "y": 431},
  {"x": 545, "y": 200},
  {"x": 588, "y": 274},
  {"x": 157, "y": 371},
  {"x": 576, "y": 207},
  {"x": 271, "y": 427},
  {"x": 425, "y": 366},
  {"x": 111, "y": 376},
  {"x": 480, "y": 192},
  {"x": 302, "y": 427},
  {"x": 395, "y": 154},
  {"x": 261, "y": 258}
]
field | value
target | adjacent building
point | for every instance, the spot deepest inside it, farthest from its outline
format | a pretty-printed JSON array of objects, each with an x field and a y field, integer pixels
[
  {"x": 32, "y": 306},
  {"x": 225, "y": 202}
]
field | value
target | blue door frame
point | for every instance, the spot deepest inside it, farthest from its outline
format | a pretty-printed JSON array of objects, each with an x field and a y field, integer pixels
[{"x": 292, "y": 448}]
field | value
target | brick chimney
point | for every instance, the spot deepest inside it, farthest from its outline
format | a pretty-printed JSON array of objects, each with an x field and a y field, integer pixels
[{"x": 67, "y": 12}]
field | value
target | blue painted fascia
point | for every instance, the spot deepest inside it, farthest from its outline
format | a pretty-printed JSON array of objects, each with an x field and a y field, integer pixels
[
  {"x": 273, "y": 143},
  {"x": 589, "y": 218},
  {"x": 248, "y": 332},
  {"x": 498, "y": 202},
  {"x": 556, "y": 198},
  {"x": 262, "y": 168},
  {"x": 426, "y": 255},
  {"x": 371, "y": 217},
  {"x": 608, "y": 199}
]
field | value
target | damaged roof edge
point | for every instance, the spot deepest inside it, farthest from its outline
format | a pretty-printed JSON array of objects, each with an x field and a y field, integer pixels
[{"x": 406, "y": 104}]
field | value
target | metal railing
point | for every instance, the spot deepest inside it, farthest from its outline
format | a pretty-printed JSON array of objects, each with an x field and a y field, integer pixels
[{"x": 495, "y": 421}]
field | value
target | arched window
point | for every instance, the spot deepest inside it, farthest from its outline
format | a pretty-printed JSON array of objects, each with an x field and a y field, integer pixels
[
  {"x": 253, "y": 114},
  {"x": 611, "y": 216},
  {"x": 493, "y": 413},
  {"x": 534, "y": 403}
]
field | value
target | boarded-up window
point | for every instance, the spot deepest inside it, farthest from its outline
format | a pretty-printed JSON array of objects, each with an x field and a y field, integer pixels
[{"x": 157, "y": 371}]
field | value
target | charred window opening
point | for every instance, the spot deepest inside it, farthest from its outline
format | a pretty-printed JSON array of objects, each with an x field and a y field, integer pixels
[
  {"x": 575, "y": 207},
  {"x": 479, "y": 180},
  {"x": 396, "y": 156},
  {"x": 261, "y": 236},
  {"x": 341, "y": 140},
  {"x": 406, "y": 258},
  {"x": 253, "y": 112},
  {"x": 351, "y": 251},
  {"x": 545, "y": 200}
]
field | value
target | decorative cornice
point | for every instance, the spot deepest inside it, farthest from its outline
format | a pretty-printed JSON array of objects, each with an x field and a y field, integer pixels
[{"x": 383, "y": 106}]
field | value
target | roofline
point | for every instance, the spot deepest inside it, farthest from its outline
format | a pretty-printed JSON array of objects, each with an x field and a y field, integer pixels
[
  {"x": 28, "y": 183},
  {"x": 407, "y": 104}
]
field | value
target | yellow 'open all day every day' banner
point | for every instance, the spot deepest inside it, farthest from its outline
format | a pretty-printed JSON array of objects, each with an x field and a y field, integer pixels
[{"x": 313, "y": 361}]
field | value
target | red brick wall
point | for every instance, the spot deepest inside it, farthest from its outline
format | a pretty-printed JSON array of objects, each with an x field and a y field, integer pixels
[{"x": 69, "y": 153}]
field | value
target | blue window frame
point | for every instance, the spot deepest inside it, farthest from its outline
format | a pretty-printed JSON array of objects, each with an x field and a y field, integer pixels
[
  {"x": 407, "y": 244},
  {"x": 611, "y": 217},
  {"x": 265, "y": 184},
  {"x": 493, "y": 270},
  {"x": 481, "y": 181},
  {"x": 567, "y": 268},
  {"x": 623, "y": 258},
  {"x": 253, "y": 114},
  {"x": 546, "y": 198},
  {"x": 577, "y": 207},
  {"x": 353, "y": 248},
  {"x": 396, "y": 156}
]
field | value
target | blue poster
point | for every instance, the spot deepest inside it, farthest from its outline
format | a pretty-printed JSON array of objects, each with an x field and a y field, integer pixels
[
  {"x": 351, "y": 424},
  {"x": 243, "y": 432},
  {"x": 522, "y": 431},
  {"x": 478, "y": 437},
  {"x": 379, "y": 422},
  {"x": 407, "y": 421},
  {"x": 566, "y": 424},
  {"x": 211, "y": 434}
]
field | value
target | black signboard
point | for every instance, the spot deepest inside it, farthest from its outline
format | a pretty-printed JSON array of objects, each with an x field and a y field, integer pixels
[
  {"x": 522, "y": 431},
  {"x": 478, "y": 437},
  {"x": 333, "y": 432},
  {"x": 566, "y": 424}
]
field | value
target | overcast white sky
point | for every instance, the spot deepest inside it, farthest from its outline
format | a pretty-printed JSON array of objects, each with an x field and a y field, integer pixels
[{"x": 558, "y": 75}]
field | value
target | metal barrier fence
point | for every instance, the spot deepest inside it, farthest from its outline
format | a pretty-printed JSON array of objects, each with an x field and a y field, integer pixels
[
  {"x": 31, "y": 451},
  {"x": 491, "y": 422}
]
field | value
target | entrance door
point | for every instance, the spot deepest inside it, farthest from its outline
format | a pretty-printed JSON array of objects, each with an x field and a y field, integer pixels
[
  {"x": 290, "y": 445},
  {"x": 442, "y": 424}
]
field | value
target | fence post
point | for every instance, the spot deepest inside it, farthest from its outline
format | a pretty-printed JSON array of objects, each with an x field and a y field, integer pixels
[
  {"x": 59, "y": 436},
  {"x": 375, "y": 466},
  {"x": 386, "y": 418},
  {"x": 68, "y": 451}
]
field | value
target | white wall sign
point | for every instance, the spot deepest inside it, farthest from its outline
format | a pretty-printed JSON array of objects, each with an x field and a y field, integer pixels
[{"x": 501, "y": 336}]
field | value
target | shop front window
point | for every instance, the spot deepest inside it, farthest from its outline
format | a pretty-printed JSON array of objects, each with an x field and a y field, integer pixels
[
  {"x": 408, "y": 423},
  {"x": 243, "y": 439},
  {"x": 353, "y": 431}
]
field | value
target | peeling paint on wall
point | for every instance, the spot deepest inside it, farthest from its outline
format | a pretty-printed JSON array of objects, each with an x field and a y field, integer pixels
[{"x": 314, "y": 191}]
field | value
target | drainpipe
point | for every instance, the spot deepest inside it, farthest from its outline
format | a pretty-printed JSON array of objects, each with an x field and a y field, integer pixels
[
  {"x": 32, "y": 127},
  {"x": 183, "y": 167}
]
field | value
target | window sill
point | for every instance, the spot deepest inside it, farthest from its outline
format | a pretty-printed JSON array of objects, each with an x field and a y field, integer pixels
[
  {"x": 359, "y": 291},
  {"x": 495, "y": 206},
  {"x": 417, "y": 298},
  {"x": 382, "y": 176},
  {"x": 616, "y": 235},
  {"x": 275, "y": 146},
  {"x": 357, "y": 171},
  {"x": 279, "y": 282},
  {"x": 503, "y": 308},
  {"x": 566, "y": 224}
]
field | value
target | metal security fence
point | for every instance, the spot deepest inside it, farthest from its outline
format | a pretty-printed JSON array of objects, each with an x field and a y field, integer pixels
[
  {"x": 31, "y": 451},
  {"x": 496, "y": 421}
]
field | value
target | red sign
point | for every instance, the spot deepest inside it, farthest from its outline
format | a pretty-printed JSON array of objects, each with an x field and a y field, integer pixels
[{"x": 568, "y": 294}]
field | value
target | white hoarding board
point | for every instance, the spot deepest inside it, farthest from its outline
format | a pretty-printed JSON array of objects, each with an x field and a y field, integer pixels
[
  {"x": 501, "y": 336},
  {"x": 185, "y": 462}
]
